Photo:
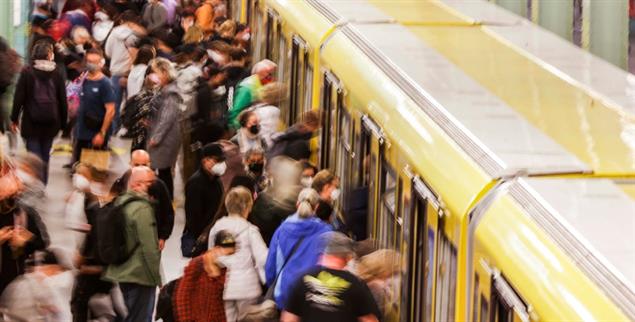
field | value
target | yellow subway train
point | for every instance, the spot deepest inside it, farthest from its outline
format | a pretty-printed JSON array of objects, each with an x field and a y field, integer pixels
[{"x": 499, "y": 159}]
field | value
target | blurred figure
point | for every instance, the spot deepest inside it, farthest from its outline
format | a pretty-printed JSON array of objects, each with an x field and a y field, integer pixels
[
  {"x": 119, "y": 48},
  {"x": 248, "y": 136},
  {"x": 205, "y": 16},
  {"x": 199, "y": 293},
  {"x": 327, "y": 185},
  {"x": 271, "y": 95},
  {"x": 20, "y": 234},
  {"x": 208, "y": 123},
  {"x": 254, "y": 177},
  {"x": 29, "y": 171},
  {"x": 39, "y": 104},
  {"x": 378, "y": 269},
  {"x": 155, "y": 15},
  {"x": 301, "y": 231},
  {"x": 164, "y": 138},
  {"x": 246, "y": 266},
  {"x": 308, "y": 172},
  {"x": 279, "y": 200},
  {"x": 328, "y": 292},
  {"x": 295, "y": 141},
  {"x": 157, "y": 192},
  {"x": 137, "y": 75},
  {"x": 11, "y": 66},
  {"x": 96, "y": 107},
  {"x": 203, "y": 195},
  {"x": 248, "y": 90},
  {"x": 226, "y": 32},
  {"x": 102, "y": 25},
  {"x": 139, "y": 275},
  {"x": 39, "y": 295},
  {"x": 242, "y": 37}
]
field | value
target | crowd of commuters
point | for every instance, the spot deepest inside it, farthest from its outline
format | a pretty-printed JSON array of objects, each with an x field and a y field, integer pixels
[{"x": 174, "y": 77}]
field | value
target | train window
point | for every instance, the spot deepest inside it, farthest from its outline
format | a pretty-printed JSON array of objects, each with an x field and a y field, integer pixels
[
  {"x": 257, "y": 29},
  {"x": 282, "y": 53},
  {"x": 484, "y": 309},
  {"x": 446, "y": 279},
  {"x": 501, "y": 312},
  {"x": 344, "y": 154},
  {"x": 506, "y": 306},
  {"x": 371, "y": 195},
  {"x": 388, "y": 197},
  {"x": 327, "y": 126},
  {"x": 295, "y": 80}
]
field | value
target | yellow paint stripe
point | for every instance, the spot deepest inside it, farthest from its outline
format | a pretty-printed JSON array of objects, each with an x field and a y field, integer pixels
[{"x": 601, "y": 135}]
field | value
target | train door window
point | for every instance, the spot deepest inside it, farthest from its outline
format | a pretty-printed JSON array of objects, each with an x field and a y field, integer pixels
[
  {"x": 364, "y": 152},
  {"x": 446, "y": 278},
  {"x": 282, "y": 53},
  {"x": 257, "y": 30},
  {"x": 308, "y": 83},
  {"x": 372, "y": 226},
  {"x": 344, "y": 155},
  {"x": 507, "y": 306},
  {"x": 298, "y": 57},
  {"x": 270, "y": 34},
  {"x": 327, "y": 127},
  {"x": 500, "y": 311}
]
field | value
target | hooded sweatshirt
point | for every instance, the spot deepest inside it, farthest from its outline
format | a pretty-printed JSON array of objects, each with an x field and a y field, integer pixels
[
  {"x": 306, "y": 255},
  {"x": 121, "y": 38}
]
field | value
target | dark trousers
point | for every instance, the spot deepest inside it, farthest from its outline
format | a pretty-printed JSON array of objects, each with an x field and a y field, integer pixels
[
  {"x": 41, "y": 146},
  {"x": 165, "y": 175},
  {"x": 85, "y": 144},
  {"x": 139, "y": 301},
  {"x": 85, "y": 287}
]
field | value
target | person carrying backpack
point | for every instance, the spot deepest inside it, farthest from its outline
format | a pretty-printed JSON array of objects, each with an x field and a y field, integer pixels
[
  {"x": 133, "y": 256},
  {"x": 39, "y": 103}
]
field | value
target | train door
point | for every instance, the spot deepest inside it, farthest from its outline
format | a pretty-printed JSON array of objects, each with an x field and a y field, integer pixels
[
  {"x": 374, "y": 140},
  {"x": 272, "y": 28},
  {"x": 299, "y": 57},
  {"x": 423, "y": 223},
  {"x": 494, "y": 299},
  {"x": 331, "y": 92},
  {"x": 283, "y": 58},
  {"x": 345, "y": 155}
]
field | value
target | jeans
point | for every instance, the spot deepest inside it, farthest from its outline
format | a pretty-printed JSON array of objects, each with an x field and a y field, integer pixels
[
  {"x": 41, "y": 146},
  {"x": 119, "y": 91},
  {"x": 139, "y": 301}
]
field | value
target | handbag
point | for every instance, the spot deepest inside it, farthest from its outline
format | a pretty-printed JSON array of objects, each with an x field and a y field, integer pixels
[
  {"x": 100, "y": 159},
  {"x": 267, "y": 311}
]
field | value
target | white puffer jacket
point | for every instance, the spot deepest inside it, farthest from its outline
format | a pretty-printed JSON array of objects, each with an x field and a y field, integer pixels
[{"x": 245, "y": 268}]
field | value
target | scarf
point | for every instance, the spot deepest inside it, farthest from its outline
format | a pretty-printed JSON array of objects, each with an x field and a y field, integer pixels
[
  {"x": 199, "y": 297},
  {"x": 44, "y": 65}
]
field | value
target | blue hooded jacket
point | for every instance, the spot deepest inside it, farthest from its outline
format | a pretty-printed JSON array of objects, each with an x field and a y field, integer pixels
[{"x": 304, "y": 258}]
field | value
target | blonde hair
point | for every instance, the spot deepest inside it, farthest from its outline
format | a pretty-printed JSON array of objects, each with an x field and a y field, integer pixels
[
  {"x": 238, "y": 200},
  {"x": 227, "y": 29},
  {"x": 194, "y": 35},
  {"x": 378, "y": 264},
  {"x": 273, "y": 93},
  {"x": 308, "y": 199},
  {"x": 165, "y": 66}
]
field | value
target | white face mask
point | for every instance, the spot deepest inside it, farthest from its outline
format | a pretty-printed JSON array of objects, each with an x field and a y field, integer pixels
[
  {"x": 216, "y": 57},
  {"x": 306, "y": 181},
  {"x": 219, "y": 169},
  {"x": 246, "y": 37},
  {"x": 220, "y": 90},
  {"x": 335, "y": 194},
  {"x": 80, "y": 182}
]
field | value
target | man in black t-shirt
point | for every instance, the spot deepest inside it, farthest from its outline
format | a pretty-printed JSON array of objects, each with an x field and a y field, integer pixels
[{"x": 328, "y": 292}]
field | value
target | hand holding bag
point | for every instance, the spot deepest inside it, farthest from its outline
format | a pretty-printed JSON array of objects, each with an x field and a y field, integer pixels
[{"x": 100, "y": 159}]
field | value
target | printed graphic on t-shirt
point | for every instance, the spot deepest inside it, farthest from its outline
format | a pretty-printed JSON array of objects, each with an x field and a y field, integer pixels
[{"x": 325, "y": 290}]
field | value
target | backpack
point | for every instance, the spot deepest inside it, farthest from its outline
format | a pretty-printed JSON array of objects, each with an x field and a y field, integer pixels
[
  {"x": 110, "y": 232},
  {"x": 43, "y": 108},
  {"x": 165, "y": 308}
]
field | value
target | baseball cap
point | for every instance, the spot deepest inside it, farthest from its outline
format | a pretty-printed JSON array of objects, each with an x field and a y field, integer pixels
[{"x": 337, "y": 244}]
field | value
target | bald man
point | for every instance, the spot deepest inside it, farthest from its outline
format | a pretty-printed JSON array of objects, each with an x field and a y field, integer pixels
[
  {"x": 157, "y": 192},
  {"x": 138, "y": 276}
]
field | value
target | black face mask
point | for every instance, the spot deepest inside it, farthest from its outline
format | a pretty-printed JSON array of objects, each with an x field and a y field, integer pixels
[
  {"x": 7, "y": 205},
  {"x": 254, "y": 129},
  {"x": 256, "y": 167}
]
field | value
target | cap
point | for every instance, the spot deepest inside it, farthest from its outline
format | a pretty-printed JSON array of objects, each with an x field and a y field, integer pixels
[
  {"x": 224, "y": 239},
  {"x": 337, "y": 244},
  {"x": 213, "y": 150}
]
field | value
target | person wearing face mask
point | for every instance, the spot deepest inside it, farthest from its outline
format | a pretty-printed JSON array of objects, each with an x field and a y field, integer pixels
[
  {"x": 39, "y": 295},
  {"x": 20, "y": 233},
  {"x": 39, "y": 103},
  {"x": 164, "y": 139},
  {"x": 327, "y": 185},
  {"x": 254, "y": 177},
  {"x": 243, "y": 37},
  {"x": 96, "y": 107},
  {"x": 203, "y": 195},
  {"x": 248, "y": 136},
  {"x": 247, "y": 91},
  {"x": 308, "y": 172}
]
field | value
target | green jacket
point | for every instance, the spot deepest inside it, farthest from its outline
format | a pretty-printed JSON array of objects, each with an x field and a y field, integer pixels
[
  {"x": 143, "y": 265},
  {"x": 247, "y": 92}
]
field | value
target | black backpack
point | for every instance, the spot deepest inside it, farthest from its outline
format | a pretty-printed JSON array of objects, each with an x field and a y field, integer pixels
[
  {"x": 43, "y": 108},
  {"x": 110, "y": 232}
]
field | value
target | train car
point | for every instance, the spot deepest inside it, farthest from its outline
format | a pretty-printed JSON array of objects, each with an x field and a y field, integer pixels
[{"x": 495, "y": 158}]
